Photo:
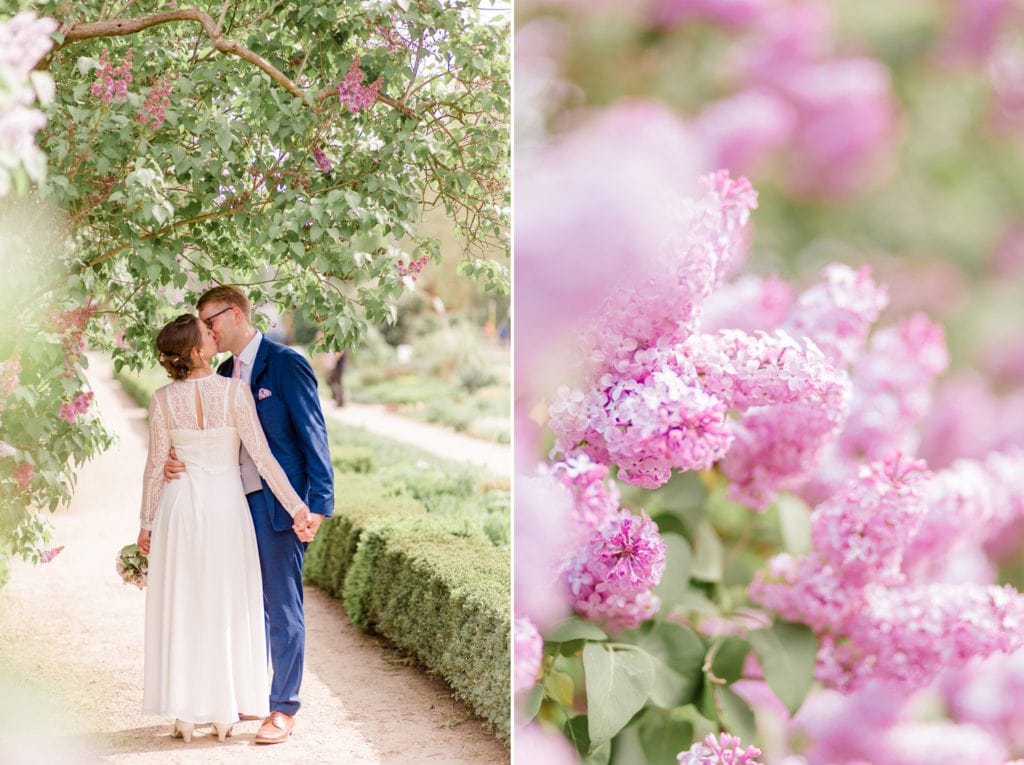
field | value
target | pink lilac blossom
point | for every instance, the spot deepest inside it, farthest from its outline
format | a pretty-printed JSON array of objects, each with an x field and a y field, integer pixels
[
  {"x": 413, "y": 268},
  {"x": 48, "y": 555},
  {"x": 861, "y": 534},
  {"x": 846, "y": 120},
  {"x": 980, "y": 421},
  {"x": 892, "y": 384},
  {"x": 837, "y": 313},
  {"x": 82, "y": 402},
  {"x": 731, "y": 14},
  {"x": 1007, "y": 257},
  {"x": 23, "y": 474},
  {"x": 153, "y": 111},
  {"x": 352, "y": 94},
  {"x": 892, "y": 394},
  {"x": 982, "y": 692},
  {"x": 541, "y": 528},
  {"x": 875, "y": 725},
  {"x": 666, "y": 409},
  {"x": 68, "y": 413},
  {"x": 971, "y": 29},
  {"x": 538, "y": 744},
  {"x": 749, "y": 304},
  {"x": 611, "y": 577},
  {"x": 873, "y": 622},
  {"x": 10, "y": 378},
  {"x": 725, "y": 750},
  {"x": 1005, "y": 70},
  {"x": 744, "y": 132},
  {"x": 322, "y": 160},
  {"x": 972, "y": 503},
  {"x": 845, "y": 116},
  {"x": 601, "y": 202},
  {"x": 24, "y": 40},
  {"x": 595, "y": 501},
  {"x": 112, "y": 82},
  {"x": 529, "y": 653}
]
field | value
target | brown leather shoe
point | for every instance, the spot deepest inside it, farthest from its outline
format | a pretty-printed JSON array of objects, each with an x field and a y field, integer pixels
[
  {"x": 248, "y": 717},
  {"x": 275, "y": 729}
]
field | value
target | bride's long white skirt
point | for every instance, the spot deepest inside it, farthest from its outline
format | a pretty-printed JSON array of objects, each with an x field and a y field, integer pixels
[{"x": 206, "y": 655}]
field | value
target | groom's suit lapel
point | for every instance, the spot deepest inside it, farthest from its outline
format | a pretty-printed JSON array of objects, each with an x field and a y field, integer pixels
[{"x": 259, "y": 366}]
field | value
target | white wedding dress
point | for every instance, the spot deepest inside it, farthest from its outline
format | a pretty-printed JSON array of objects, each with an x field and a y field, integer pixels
[{"x": 206, "y": 654}]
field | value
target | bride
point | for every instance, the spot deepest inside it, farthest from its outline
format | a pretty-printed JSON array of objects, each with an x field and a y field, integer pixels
[{"x": 206, "y": 655}]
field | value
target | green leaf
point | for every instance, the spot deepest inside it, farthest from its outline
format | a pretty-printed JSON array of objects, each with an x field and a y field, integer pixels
[
  {"x": 532, "y": 702},
  {"x": 675, "y": 582},
  {"x": 619, "y": 679},
  {"x": 788, "y": 653},
  {"x": 559, "y": 687},
  {"x": 662, "y": 736},
  {"x": 795, "y": 524},
  {"x": 708, "y": 556},
  {"x": 678, "y": 655},
  {"x": 575, "y": 628},
  {"x": 729, "y": 658},
  {"x": 735, "y": 714}
]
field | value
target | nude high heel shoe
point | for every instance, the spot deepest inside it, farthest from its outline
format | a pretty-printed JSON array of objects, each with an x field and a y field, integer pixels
[
  {"x": 183, "y": 729},
  {"x": 223, "y": 730}
]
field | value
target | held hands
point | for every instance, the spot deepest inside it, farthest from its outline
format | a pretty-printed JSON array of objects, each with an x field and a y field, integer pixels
[
  {"x": 306, "y": 524},
  {"x": 172, "y": 468},
  {"x": 143, "y": 541}
]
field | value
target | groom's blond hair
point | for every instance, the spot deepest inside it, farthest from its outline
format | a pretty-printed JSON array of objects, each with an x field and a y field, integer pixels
[{"x": 225, "y": 293}]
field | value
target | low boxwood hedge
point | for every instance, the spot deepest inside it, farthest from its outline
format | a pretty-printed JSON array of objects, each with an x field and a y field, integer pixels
[{"x": 423, "y": 583}]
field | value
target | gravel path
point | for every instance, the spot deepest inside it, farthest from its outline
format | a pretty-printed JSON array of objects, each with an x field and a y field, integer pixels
[{"x": 71, "y": 645}]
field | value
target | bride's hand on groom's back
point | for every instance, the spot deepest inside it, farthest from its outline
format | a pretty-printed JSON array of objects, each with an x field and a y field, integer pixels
[{"x": 173, "y": 468}]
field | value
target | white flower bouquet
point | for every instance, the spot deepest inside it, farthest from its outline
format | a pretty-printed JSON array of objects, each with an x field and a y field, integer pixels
[{"x": 133, "y": 565}]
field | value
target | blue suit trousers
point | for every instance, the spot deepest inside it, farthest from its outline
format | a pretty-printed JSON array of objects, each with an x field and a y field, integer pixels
[{"x": 281, "y": 555}]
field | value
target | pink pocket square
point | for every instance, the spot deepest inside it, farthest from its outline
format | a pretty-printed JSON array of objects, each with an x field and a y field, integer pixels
[{"x": 264, "y": 393}]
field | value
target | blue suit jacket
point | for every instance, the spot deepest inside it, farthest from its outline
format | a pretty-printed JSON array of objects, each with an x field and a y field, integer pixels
[{"x": 289, "y": 411}]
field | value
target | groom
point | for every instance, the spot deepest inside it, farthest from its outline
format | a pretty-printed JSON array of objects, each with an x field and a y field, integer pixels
[{"x": 288, "y": 406}]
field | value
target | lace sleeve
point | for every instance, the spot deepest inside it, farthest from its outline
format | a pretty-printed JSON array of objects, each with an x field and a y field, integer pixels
[
  {"x": 255, "y": 442},
  {"x": 152, "y": 478}
]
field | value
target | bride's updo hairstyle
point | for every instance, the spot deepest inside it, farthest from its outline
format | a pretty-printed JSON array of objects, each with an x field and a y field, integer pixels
[{"x": 175, "y": 343}]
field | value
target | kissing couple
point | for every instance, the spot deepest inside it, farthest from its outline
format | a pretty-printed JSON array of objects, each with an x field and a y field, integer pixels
[{"x": 237, "y": 482}]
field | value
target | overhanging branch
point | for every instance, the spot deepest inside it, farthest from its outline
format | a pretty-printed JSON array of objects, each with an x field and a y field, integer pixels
[{"x": 120, "y": 27}]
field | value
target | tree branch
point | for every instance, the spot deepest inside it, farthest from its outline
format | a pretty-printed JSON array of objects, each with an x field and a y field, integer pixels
[
  {"x": 119, "y": 27},
  {"x": 160, "y": 232}
]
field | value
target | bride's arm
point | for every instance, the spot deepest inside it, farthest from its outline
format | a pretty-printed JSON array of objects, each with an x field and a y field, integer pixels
[
  {"x": 255, "y": 442},
  {"x": 152, "y": 478}
]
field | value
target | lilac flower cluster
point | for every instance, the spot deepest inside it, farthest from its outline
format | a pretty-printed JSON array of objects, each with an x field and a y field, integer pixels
[
  {"x": 353, "y": 94},
  {"x": 23, "y": 474},
  {"x": 831, "y": 119},
  {"x": 413, "y": 268},
  {"x": 153, "y": 111},
  {"x": 323, "y": 162},
  {"x": 615, "y": 557},
  {"x": 872, "y": 619},
  {"x": 611, "y": 577},
  {"x": 10, "y": 377},
  {"x": 660, "y": 395},
  {"x": 24, "y": 40},
  {"x": 528, "y": 654},
  {"x": 112, "y": 82},
  {"x": 69, "y": 412},
  {"x": 725, "y": 750}
]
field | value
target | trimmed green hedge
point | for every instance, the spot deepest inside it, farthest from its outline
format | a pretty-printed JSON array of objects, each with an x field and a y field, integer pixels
[{"x": 420, "y": 581}]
